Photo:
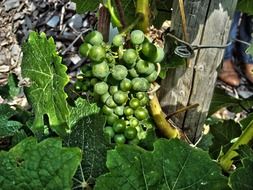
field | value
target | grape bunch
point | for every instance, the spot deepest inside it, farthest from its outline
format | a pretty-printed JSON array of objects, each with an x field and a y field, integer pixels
[{"x": 118, "y": 78}]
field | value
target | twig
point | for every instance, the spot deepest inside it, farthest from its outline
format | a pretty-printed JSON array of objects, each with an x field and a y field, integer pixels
[
  {"x": 71, "y": 45},
  {"x": 62, "y": 17},
  {"x": 182, "y": 110},
  {"x": 121, "y": 12}
]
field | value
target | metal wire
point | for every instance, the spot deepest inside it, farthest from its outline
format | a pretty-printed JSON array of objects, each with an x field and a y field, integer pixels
[{"x": 187, "y": 50}]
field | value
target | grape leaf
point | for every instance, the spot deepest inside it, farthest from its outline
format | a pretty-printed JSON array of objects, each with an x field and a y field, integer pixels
[
  {"x": 245, "y": 6},
  {"x": 42, "y": 65},
  {"x": 45, "y": 165},
  {"x": 83, "y": 6},
  {"x": 82, "y": 108},
  {"x": 242, "y": 177},
  {"x": 223, "y": 133},
  {"x": 88, "y": 135},
  {"x": 172, "y": 165},
  {"x": 8, "y": 127}
]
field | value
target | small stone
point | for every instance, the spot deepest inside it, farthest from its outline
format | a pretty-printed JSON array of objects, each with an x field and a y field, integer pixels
[
  {"x": 11, "y": 4},
  {"x": 4, "y": 68},
  {"x": 76, "y": 22},
  {"x": 71, "y": 6},
  {"x": 53, "y": 21},
  {"x": 75, "y": 59},
  {"x": 85, "y": 23}
]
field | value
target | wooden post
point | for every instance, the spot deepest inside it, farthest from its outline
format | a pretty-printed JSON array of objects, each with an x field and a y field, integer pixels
[{"x": 208, "y": 23}]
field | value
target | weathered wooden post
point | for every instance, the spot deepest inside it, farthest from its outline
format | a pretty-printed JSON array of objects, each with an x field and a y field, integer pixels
[{"x": 208, "y": 23}]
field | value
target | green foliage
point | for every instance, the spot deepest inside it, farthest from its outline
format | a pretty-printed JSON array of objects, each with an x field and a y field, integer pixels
[
  {"x": 88, "y": 135},
  {"x": 45, "y": 165},
  {"x": 11, "y": 89},
  {"x": 223, "y": 132},
  {"x": 172, "y": 165},
  {"x": 245, "y": 6},
  {"x": 42, "y": 65},
  {"x": 242, "y": 177},
  {"x": 8, "y": 127},
  {"x": 83, "y": 6},
  {"x": 82, "y": 109}
]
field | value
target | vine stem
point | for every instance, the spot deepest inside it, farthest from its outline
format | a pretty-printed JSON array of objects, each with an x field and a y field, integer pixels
[
  {"x": 226, "y": 160},
  {"x": 114, "y": 17},
  {"x": 159, "y": 117},
  {"x": 142, "y": 7},
  {"x": 121, "y": 12}
]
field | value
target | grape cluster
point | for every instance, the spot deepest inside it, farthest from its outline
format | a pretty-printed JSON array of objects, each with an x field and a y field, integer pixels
[{"x": 119, "y": 78}]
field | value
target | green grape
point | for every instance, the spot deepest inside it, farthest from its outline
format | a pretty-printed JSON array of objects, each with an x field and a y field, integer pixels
[
  {"x": 97, "y": 54},
  {"x": 125, "y": 85},
  {"x": 104, "y": 97},
  {"x": 141, "y": 66},
  {"x": 119, "y": 72},
  {"x": 159, "y": 55},
  {"x": 110, "y": 119},
  {"x": 119, "y": 110},
  {"x": 119, "y": 139},
  {"x": 106, "y": 110},
  {"x": 141, "y": 113},
  {"x": 130, "y": 56},
  {"x": 120, "y": 97},
  {"x": 152, "y": 77},
  {"x": 133, "y": 73},
  {"x": 134, "y": 103},
  {"x": 100, "y": 70},
  {"x": 113, "y": 89},
  {"x": 94, "y": 38},
  {"x": 150, "y": 69},
  {"x": 140, "y": 84},
  {"x": 128, "y": 111},
  {"x": 84, "y": 49},
  {"x": 130, "y": 133},
  {"x": 148, "y": 51},
  {"x": 118, "y": 40},
  {"x": 101, "y": 88},
  {"x": 110, "y": 102},
  {"x": 137, "y": 37},
  {"x": 119, "y": 126}
]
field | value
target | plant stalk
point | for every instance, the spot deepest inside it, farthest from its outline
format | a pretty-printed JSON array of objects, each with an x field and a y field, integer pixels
[
  {"x": 142, "y": 7},
  {"x": 159, "y": 117},
  {"x": 226, "y": 160},
  {"x": 115, "y": 19}
]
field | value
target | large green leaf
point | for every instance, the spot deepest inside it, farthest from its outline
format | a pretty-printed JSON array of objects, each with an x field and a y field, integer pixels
[
  {"x": 42, "y": 65},
  {"x": 8, "y": 127},
  {"x": 223, "y": 133},
  {"x": 88, "y": 135},
  {"x": 172, "y": 165},
  {"x": 45, "y": 165},
  {"x": 83, "y": 6},
  {"x": 242, "y": 177},
  {"x": 245, "y": 6}
]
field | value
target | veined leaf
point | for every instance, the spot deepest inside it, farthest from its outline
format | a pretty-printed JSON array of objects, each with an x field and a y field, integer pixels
[
  {"x": 82, "y": 108},
  {"x": 42, "y": 65},
  {"x": 223, "y": 133},
  {"x": 242, "y": 177},
  {"x": 8, "y": 127},
  {"x": 89, "y": 136},
  {"x": 172, "y": 165},
  {"x": 45, "y": 165},
  {"x": 83, "y": 6}
]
